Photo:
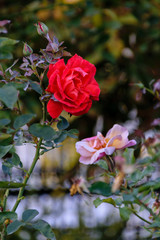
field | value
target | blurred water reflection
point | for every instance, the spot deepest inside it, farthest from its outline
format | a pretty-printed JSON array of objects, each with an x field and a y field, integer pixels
[
  {"x": 66, "y": 213},
  {"x": 76, "y": 217}
]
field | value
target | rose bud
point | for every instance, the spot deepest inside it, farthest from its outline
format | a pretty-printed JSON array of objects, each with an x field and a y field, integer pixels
[{"x": 42, "y": 29}]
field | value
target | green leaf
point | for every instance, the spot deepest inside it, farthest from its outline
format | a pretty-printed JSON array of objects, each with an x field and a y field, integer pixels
[
  {"x": 110, "y": 201},
  {"x": 62, "y": 124},
  {"x": 9, "y": 95},
  {"x": 155, "y": 185},
  {"x": 7, "y": 41},
  {"x": 103, "y": 164},
  {"x": 98, "y": 201},
  {"x": 73, "y": 133},
  {"x": 7, "y": 215},
  {"x": 29, "y": 214},
  {"x": 128, "y": 197},
  {"x": 129, "y": 156},
  {"x": 101, "y": 188},
  {"x": 4, "y": 122},
  {"x": 113, "y": 24},
  {"x": 35, "y": 86},
  {"x": 118, "y": 201},
  {"x": 61, "y": 137},
  {"x": 4, "y": 150},
  {"x": 15, "y": 160},
  {"x": 5, "y": 54},
  {"x": 22, "y": 120},
  {"x": 136, "y": 176},
  {"x": 139, "y": 175},
  {"x": 7, "y": 170},
  {"x": 42, "y": 131},
  {"x": 155, "y": 224},
  {"x": 14, "y": 226},
  {"x": 125, "y": 213},
  {"x": 145, "y": 160},
  {"x": 45, "y": 229},
  {"x": 17, "y": 85},
  {"x": 140, "y": 85},
  {"x": 4, "y": 136},
  {"x": 4, "y": 184}
]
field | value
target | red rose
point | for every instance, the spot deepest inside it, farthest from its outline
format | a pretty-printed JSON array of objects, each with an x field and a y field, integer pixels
[{"x": 73, "y": 86}]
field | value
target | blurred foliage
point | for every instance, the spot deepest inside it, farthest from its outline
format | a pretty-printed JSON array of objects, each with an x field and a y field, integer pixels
[
  {"x": 101, "y": 233},
  {"x": 120, "y": 37}
]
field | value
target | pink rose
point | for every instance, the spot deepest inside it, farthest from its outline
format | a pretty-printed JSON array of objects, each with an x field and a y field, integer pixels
[
  {"x": 73, "y": 86},
  {"x": 94, "y": 148}
]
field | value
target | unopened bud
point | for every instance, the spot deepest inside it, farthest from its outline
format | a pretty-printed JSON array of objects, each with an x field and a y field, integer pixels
[
  {"x": 27, "y": 50},
  {"x": 42, "y": 29},
  {"x": 7, "y": 221}
]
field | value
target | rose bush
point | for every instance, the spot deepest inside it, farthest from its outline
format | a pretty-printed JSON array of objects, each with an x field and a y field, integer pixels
[
  {"x": 94, "y": 148},
  {"x": 73, "y": 86}
]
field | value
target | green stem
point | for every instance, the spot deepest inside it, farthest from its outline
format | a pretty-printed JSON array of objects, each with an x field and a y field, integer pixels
[
  {"x": 144, "y": 220},
  {"x": 44, "y": 112},
  {"x": 141, "y": 218},
  {"x": 3, "y": 233},
  {"x": 36, "y": 157},
  {"x": 147, "y": 208},
  {"x": 18, "y": 105},
  {"x": 5, "y": 199}
]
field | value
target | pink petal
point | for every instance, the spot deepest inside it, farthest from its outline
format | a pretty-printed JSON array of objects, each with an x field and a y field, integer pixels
[
  {"x": 85, "y": 160},
  {"x": 111, "y": 141},
  {"x": 117, "y": 130},
  {"x": 129, "y": 144},
  {"x": 109, "y": 150},
  {"x": 84, "y": 149},
  {"x": 97, "y": 155}
]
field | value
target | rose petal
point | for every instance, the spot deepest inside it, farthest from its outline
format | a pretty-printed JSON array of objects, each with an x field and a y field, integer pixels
[
  {"x": 84, "y": 149},
  {"x": 54, "y": 108},
  {"x": 97, "y": 155},
  {"x": 109, "y": 150},
  {"x": 68, "y": 83},
  {"x": 93, "y": 90},
  {"x": 129, "y": 144},
  {"x": 53, "y": 86},
  {"x": 117, "y": 130},
  {"x": 59, "y": 65},
  {"x": 82, "y": 109},
  {"x": 85, "y": 160}
]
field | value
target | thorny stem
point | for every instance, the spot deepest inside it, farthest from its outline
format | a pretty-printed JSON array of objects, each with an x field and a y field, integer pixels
[
  {"x": 44, "y": 112},
  {"x": 144, "y": 205},
  {"x": 36, "y": 157},
  {"x": 5, "y": 199},
  {"x": 3, "y": 233}
]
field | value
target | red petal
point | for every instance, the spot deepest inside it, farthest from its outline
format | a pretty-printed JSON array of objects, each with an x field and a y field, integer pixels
[
  {"x": 78, "y": 110},
  {"x": 93, "y": 90},
  {"x": 59, "y": 65},
  {"x": 54, "y": 108}
]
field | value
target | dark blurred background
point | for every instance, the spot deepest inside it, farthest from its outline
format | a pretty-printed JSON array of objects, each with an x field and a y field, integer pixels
[{"x": 122, "y": 39}]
